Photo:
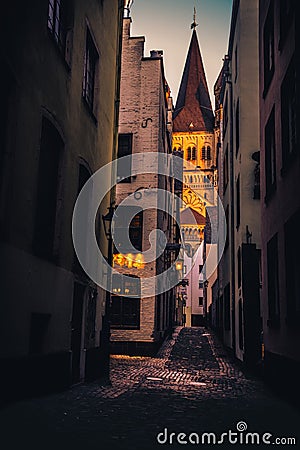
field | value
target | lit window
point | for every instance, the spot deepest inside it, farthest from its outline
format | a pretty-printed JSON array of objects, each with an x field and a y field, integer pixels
[
  {"x": 206, "y": 152},
  {"x": 125, "y": 307}
]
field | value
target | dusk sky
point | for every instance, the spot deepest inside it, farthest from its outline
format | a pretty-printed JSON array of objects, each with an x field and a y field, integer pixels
[{"x": 166, "y": 26}]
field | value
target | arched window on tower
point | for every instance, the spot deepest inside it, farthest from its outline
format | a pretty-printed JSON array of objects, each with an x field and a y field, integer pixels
[
  {"x": 206, "y": 152},
  {"x": 189, "y": 154},
  {"x": 194, "y": 153},
  {"x": 177, "y": 148}
]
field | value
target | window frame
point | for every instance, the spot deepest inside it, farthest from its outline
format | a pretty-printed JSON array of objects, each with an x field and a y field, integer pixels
[
  {"x": 90, "y": 66},
  {"x": 268, "y": 48},
  {"x": 238, "y": 202},
  {"x": 120, "y": 300},
  {"x": 226, "y": 169},
  {"x": 288, "y": 107},
  {"x": 273, "y": 282},
  {"x": 270, "y": 156},
  {"x": 286, "y": 14},
  {"x": 237, "y": 127},
  {"x": 48, "y": 248},
  {"x": 129, "y": 146},
  {"x": 135, "y": 232},
  {"x": 227, "y": 309},
  {"x": 60, "y": 27}
]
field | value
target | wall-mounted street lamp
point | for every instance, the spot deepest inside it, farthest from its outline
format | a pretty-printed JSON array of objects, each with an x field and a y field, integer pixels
[
  {"x": 184, "y": 282},
  {"x": 179, "y": 265},
  {"x": 107, "y": 222}
]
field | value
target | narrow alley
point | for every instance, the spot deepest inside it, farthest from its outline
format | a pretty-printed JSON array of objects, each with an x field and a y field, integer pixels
[{"x": 192, "y": 386}]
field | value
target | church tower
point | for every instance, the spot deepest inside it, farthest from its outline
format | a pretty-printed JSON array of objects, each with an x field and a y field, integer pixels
[
  {"x": 194, "y": 137},
  {"x": 193, "y": 129}
]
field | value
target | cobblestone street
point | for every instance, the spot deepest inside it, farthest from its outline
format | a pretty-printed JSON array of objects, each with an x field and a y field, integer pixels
[{"x": 191, "y": 386}]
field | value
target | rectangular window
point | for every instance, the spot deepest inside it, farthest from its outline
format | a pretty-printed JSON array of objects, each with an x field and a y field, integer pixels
[
  {"x": 288, "y": 115},
  {"x": 60, "y": 24},
  {"x": 237, "y": 127},
  {"x": 273, "y": 286},
  {"x": 227, "y": 307},
  {"x": 200, "y": 301},
  {"x": 287, "y": 11},
  {"x": 292, "y": 268},
  {"x": 268, "y": 42},
  {"x": 91, "y": 59},
  {"x": 200, "y": 284},
  {"x": 184, "y": 269},
  {"x": 270, "y": 155},
  {"x": 125, "y": 307},
  {"x": 200, "y": 268},
  {"x": 136, "y": 231},
  {"x": 239, "y": 266},
  {"x": 227, "y": 226},
  {"x": 47, "y": 191},
  {"x": 225, "y": 115},
  {"x": 83, "y": 176},
  {"x": 226, "y": 170},
  {"x": 128, "y": 217},
  {"x": 124, "y": 166},
  {"x": 238, "y": 202}
]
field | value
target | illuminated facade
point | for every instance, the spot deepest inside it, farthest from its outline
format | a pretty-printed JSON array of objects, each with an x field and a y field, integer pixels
[{"x": 194, "y": 136}]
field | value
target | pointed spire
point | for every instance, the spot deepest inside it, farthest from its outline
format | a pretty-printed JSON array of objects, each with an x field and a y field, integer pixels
[
  {"x": 194, "y": 24},
  {"x": 193, "y": 102}
]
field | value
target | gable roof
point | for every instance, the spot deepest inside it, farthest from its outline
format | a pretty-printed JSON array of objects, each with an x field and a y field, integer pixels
[
  {"x": 193, "y": 103},
  {"x": 191, "y": 217}
]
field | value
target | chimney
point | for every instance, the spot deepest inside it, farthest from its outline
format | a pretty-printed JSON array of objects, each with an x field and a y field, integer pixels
[{"x": 156, "y": 53}]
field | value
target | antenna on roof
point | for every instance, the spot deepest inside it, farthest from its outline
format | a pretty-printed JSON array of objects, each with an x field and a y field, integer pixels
[{"x": 194, "y": 24}]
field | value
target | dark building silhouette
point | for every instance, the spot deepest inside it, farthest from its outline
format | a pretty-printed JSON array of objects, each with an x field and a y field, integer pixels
[
  {"x": 60, "y": 60},
  {"x": 280, "y": 187}
]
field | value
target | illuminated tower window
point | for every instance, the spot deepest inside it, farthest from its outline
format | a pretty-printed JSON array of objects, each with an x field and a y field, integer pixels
[
  {"x": 194, "y": 153},
  {"x": 206, "y": 152}
]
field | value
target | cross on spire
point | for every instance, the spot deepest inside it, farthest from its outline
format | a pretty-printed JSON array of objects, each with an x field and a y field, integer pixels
[{"x": 194, "y": 24}]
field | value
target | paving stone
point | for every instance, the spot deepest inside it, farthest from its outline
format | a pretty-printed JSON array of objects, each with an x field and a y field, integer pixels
[{"x": 192, "y": 385}]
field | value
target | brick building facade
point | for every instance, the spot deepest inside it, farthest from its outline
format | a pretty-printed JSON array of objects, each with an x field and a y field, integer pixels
[{"x": 138, "y": 322}]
